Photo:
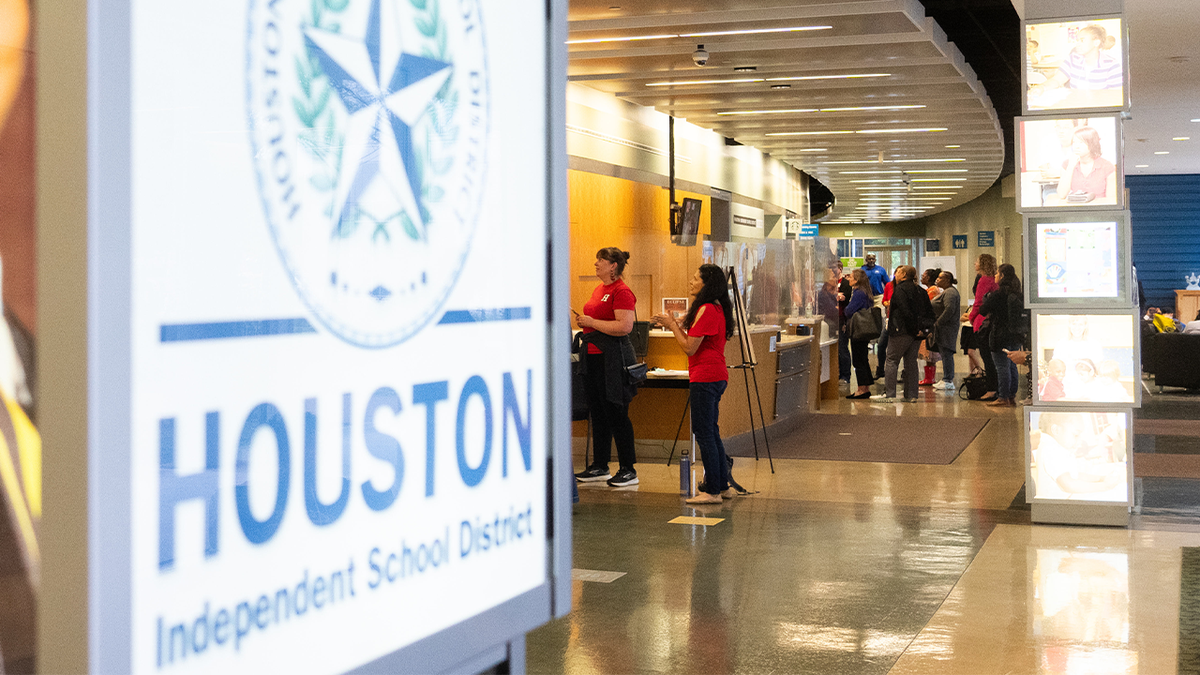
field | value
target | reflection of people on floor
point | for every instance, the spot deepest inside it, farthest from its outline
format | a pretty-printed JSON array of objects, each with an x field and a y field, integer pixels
[
  {"x": 1076, "y": 460},
  {"x": 1052, "y": 381}
]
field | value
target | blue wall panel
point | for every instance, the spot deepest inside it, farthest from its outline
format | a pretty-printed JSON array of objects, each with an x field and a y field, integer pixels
[{"x": 1165, "y": 213}]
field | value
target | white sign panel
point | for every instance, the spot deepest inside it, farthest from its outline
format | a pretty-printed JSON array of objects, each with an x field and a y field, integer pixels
[{"x": 339, "y": 387}]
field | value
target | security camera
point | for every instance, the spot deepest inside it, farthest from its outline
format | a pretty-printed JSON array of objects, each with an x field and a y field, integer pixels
[{"x": 700, "y": 57}]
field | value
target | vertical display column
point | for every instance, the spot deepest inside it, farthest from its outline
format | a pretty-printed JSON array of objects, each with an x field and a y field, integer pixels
[{"x": 1084, "y": 335}]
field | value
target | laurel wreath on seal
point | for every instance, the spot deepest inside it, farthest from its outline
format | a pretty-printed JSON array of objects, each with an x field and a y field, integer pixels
[
  {"x": 434, "y": 154},
  {"x": 320, "y": 136}
]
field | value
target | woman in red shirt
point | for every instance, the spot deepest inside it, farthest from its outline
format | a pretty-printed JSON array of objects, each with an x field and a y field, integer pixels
[
  {"x": 705, "y": 329},
  {"x": 610, "y": 311}
]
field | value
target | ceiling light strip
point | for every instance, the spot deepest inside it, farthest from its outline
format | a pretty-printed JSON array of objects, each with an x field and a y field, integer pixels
[
  {"x": 719, "y": 33},
  {"x": 683, "y": 83}
]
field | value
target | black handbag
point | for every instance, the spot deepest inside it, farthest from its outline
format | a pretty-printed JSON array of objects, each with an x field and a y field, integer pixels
[
  {"x": 866, "y": 324},
  {"x": 636, "y": 374}
]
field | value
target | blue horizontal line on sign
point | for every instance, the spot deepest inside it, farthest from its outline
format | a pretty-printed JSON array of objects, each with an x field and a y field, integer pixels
[
  {"x": 190, "y": 332},
  {"x": 482, "y": 315}
]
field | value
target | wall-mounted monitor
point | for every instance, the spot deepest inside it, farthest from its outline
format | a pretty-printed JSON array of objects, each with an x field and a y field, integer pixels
[
  {"x": 688, "y": 224},
  {"x": 1077, "y": 64},
  {"x": 1069, "y": 163},
  {"x": 1074, "y": 457},
  {"x": 1088, "y": 357},
  {"x": 1077, "y": 260}
]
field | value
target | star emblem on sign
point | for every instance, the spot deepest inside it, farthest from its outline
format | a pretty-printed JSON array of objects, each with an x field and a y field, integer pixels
[{"x": 385, "y": 92}]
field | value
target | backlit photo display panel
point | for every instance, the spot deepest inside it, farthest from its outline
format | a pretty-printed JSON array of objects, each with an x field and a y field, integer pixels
[
  {"x": 1078, "y": 260},
  {"x": 1079, "y": 64},
  {"x": 1078, "y": 456},
  {"x": 1086, "y": 357},
  {"x": 1069, "y": 163}
]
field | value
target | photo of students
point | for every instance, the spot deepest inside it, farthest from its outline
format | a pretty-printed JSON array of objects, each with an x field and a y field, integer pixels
[
  {"x": 1085, "y": 357},
  {"x": 1068, "y": 161},
  {"x": 1079, "y": 455},
  {"x": 1074, "y": 65}
]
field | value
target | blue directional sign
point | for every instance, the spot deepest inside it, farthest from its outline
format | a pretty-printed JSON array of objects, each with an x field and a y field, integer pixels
[{"x": 987, "y": 238}]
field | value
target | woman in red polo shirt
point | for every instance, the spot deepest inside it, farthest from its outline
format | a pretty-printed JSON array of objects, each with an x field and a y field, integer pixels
[
  {"x": 608, "y": 319},
  {"x": 708, "y": 324}
]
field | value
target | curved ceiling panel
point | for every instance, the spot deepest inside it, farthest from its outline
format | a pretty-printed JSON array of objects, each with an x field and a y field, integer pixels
[{"x": 867, "y": 96}]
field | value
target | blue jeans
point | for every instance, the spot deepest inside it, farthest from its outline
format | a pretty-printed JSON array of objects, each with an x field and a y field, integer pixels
[
  {"x": 947, "y": 364},
  {"x": 706, "y": 402},
  {"x": 1006, "y": 374}
]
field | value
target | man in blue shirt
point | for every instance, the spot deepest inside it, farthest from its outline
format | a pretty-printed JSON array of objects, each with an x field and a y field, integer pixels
[{"x": 876, "y": 275}]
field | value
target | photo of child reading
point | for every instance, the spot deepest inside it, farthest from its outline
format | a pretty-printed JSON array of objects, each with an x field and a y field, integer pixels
[
  {"x": 1085, "y": 357},
  {"x": 1079, "y": 456},
  {"x": 1074, "y": 65}
]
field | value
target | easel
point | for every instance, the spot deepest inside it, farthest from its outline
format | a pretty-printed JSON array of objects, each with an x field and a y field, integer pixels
[{"x": 748, "y": 363}]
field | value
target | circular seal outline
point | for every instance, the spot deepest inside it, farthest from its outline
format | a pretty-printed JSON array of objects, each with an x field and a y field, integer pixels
[{"x": 343, "y": 331}]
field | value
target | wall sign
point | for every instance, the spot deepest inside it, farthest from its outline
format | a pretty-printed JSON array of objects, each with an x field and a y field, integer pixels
[
  {"x": 933, "y": 245},
  {"x": 338, "y": 418},
  {"x": 959, "y": 241},
  {"x": 986, "y": 238}
]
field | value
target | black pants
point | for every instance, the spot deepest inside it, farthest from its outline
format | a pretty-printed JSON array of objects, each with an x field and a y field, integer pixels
[
  {"x": 983, "y": 342},
  {"x": 609, "y": 420},
  {"x": 862, "y": 365}
]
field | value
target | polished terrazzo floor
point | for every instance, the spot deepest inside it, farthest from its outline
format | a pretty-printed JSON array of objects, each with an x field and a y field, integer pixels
[{"x": 860, "y": 567}]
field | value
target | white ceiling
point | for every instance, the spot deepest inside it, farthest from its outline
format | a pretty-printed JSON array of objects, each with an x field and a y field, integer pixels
[
  {"x": 1164, "y": 81},
  {"x": 906, "y": 56}
]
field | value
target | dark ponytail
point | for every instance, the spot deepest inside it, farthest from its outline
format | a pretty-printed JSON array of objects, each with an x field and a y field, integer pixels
[{"x": 716, "y": 289}]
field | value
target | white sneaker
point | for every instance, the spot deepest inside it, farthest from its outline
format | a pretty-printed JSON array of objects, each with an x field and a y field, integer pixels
[
  {"x": 941, "y": 384},
  {"x": 878, "y": 397},
  {"x": 949, "y": 387}
]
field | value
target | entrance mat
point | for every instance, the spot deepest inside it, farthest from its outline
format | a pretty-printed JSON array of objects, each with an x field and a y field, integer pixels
[
  {"x": 872, "y": 438},
  {"x": 1189, "y": 612}
]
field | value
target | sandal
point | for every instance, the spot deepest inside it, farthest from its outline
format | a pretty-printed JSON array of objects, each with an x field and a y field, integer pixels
[{"x": 990, "y": 396}]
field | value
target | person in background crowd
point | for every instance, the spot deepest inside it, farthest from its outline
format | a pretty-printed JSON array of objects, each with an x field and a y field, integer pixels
[
  {"x": 1192, "y": 327},
  {"x": 930, "y": 356},
  {"x": 911, "y": 318},
  {"x": 860, "y": 299},
  {"x": 985, "y": 265},
  {"x": 705, "y": 329},
  {"x": 606, "y": 322},
  {"x": 1003, "y": 308},
  {"x": 875, "y": 274},
  {"x": 882, "y": 343},
  {"x": 967, "y": 340},
  {"x": 946, "y": 308},
  {"x": 843, "y": 297}
]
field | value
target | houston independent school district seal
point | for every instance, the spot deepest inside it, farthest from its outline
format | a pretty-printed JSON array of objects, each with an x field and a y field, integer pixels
[{"x": 369, "y": 122}]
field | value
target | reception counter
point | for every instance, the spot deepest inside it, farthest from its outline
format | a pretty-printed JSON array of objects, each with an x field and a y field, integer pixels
[{"x": 784, "y": 372}]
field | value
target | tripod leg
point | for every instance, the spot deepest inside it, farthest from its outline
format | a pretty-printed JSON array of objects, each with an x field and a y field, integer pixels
[
  {"x": 762, "y": 418},
  {"x": 750, "y": 409},
  {"x": 681, "y": 418}
]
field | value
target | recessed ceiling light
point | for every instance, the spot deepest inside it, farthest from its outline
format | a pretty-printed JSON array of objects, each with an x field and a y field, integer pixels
[
  {"x": 1141, "y": 166},
  {"x": 813, "y": 150},
  {"x": 745, "y": 69},
  {"x": 756, "y": 31},
  {"x": 1182, "y": 138},
  {"x": 953, "y": 146},
  {"x": 781, "y": 86},
  {"x": 809, "y": 133},
  {"x": 901, "y": 131},
  {"x": 1162, "y": 152},
  {"x": 1196, "y": 119}
]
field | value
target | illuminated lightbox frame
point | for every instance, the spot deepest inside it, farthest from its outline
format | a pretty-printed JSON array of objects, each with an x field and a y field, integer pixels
[
  {"x": 1122, "y": 43},
  {"x": 1038, "y": 298},
  {"x": 1133, "y": 364},
  {"x": 1031, "y": 424},
  {"x": 1118, "y": 162}
]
